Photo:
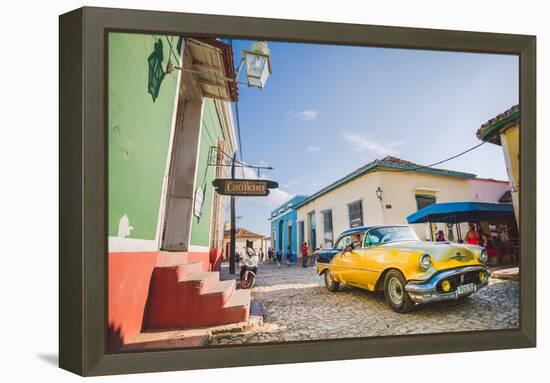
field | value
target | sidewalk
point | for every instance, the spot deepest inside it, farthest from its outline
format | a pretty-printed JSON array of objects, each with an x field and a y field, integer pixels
[{"x": 505, "y": 272}]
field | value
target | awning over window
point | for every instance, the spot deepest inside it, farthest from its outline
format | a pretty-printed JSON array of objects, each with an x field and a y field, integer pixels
[{"x": 453, "y": 212}]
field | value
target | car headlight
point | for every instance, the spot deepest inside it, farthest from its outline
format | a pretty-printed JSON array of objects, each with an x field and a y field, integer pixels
[
  {"x": 425, "y": 262},
  {"x": 483, "y": 256}
]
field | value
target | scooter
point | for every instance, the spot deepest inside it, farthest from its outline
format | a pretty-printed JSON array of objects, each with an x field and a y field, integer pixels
[{"x": 249, "y": 268}]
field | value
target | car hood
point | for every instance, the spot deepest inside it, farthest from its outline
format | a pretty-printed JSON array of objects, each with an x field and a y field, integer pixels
[{"x": 439, "y": 251}]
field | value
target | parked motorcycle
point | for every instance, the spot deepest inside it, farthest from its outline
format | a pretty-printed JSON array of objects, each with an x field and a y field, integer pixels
[{"x": 249, "y": 268}]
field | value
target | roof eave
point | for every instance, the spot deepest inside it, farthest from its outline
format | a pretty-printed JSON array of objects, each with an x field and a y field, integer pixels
[
  {"x": 491, "y": 133},
  {"x": 337, "y": 184}
]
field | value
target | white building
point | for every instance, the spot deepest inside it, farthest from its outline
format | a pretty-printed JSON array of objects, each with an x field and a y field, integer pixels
[{"x": 386, "y": 192}]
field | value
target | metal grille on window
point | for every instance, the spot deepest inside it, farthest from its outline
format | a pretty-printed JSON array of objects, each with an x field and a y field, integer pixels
[
  {"x": 327, "y": 229},
  {"x": 355, "y": 210}
]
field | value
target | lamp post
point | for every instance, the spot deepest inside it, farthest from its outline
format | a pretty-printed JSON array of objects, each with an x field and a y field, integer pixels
[{"x": 258, "y": 69}]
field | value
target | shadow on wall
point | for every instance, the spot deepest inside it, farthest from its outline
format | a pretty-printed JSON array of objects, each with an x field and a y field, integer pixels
[{"x": 156, "y": 73}]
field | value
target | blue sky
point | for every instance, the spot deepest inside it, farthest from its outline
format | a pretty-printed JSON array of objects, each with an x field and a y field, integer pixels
[{"x": 327, "y": 110}]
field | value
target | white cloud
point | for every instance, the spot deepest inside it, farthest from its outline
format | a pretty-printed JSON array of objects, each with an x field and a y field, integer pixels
[
  {"x": 362, "y": 143},
  {"x": 275, "y": 197},
  {"x": 290, "y": 184},
  {"x": 312, "y": 149},
  {"x": 247, "y": 173},
  {"x": 305, "y": 115}
]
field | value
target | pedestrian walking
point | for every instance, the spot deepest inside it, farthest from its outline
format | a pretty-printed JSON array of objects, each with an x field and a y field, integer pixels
[
  {"x": 288, "y": 256},
  {"x": 314, "y": 256},
  {"x": 279, "y": 257},
  {"x": 304, "y": 254},
  {"x": 270, "y": 255}
]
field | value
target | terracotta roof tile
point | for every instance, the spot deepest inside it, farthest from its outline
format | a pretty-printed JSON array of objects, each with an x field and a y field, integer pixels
[
  {"x": 484, "y": 131},
  {"x": 243, "y": 233}
]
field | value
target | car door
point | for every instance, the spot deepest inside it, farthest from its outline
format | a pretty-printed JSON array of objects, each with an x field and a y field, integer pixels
[
  {"x": 338, "y": 263},
  {"x": 349, "y": 260},
  {"x": 366, "y": 262}
]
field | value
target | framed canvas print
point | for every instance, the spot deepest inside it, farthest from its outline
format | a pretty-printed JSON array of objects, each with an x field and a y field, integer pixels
[{"x": 242, "y": 191}]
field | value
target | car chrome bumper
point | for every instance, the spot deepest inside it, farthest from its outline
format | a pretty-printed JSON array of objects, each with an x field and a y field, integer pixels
[{"x": 426, "y": 291}]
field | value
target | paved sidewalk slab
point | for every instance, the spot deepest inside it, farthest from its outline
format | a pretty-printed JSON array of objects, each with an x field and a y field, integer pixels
[
  {"x": 511, "y": 273},
  {"x": 197, "y": 337}
]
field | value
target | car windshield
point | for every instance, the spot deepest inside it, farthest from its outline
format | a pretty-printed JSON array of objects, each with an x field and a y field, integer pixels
[{"x": 378, "y": 236}]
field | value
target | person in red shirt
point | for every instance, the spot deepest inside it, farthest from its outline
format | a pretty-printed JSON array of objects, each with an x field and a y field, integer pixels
[
  {"x": 472, "y": 237},
  {"x": 304, "y": 254}
]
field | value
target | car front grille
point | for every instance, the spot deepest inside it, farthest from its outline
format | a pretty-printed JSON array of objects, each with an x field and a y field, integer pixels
[{"x": 457, "y": 280}]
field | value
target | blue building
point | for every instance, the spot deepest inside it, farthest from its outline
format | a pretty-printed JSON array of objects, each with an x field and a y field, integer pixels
[{"x": 283, "y": 227}]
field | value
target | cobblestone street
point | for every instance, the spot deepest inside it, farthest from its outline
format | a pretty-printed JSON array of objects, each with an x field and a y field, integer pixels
[{"x": 297, "y": 307}]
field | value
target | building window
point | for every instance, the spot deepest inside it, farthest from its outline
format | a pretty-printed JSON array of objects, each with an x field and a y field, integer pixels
[
  {"x": 423, "y": 200},
  {"x": 355, "y": 211},
  {"x": 328, "y": 237}
]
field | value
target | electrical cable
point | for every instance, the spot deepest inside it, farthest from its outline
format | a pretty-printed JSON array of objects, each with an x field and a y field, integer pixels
[
  {"x": 438, "y": 162},
  {"x": 236, "y": 104}
]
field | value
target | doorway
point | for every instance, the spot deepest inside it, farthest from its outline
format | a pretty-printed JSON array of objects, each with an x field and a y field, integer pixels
[
  {"x": 312, "y": 231},
  {"x": 180, "y": 194},
  {"x": 280, "y": 236},
  {"x": 289, "y": 233}
]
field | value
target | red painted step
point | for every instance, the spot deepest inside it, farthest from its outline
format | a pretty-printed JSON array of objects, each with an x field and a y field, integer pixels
[
  {"x": 188, "y": 269},
  {"x": 183, "y": 296}
]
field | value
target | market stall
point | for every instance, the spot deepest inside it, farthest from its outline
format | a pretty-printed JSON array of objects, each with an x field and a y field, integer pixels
[{"x": 494, "y": 222}]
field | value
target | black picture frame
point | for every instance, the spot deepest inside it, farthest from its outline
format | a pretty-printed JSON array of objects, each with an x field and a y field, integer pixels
[{"x": 83, "y": 198}]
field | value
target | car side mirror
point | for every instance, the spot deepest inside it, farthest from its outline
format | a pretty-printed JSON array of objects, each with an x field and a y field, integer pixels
[{"x": 349, "y": 248}]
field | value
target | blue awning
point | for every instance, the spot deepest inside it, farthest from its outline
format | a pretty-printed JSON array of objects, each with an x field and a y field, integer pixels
[{"x": 453, "y": 212}]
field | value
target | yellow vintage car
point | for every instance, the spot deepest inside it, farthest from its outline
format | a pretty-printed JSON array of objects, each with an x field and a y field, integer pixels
[{"x": 391, "y": 258}]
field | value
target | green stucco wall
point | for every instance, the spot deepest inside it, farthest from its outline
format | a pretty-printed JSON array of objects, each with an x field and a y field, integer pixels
[
  {"x": 211, "y": 132},
  {"x": 138, "y": 132}
]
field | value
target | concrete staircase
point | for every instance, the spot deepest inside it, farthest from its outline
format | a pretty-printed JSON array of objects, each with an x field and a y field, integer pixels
[{"x": 186, "y": 296}]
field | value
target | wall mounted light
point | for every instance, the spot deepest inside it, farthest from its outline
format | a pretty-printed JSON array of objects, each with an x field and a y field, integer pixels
[{"x": 379, "y": 193}]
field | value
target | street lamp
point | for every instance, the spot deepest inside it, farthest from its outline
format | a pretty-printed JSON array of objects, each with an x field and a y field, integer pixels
[
  {"x": 258, "y": 64},
  {"x": 379, "y": 193}
]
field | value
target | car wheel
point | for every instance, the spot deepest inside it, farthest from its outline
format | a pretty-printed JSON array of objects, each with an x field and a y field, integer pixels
[
  {"x": 330, "y": 283},
  {"x": 394, "y": 290}
]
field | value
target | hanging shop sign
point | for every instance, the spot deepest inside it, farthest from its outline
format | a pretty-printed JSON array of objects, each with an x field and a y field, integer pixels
[{"x": 239, "y": 187}]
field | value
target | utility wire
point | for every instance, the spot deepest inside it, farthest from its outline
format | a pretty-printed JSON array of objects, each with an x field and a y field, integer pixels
[
  {"x": 238, "y": 129},
  {"x": 458, "y": 155},
  {"x": 236, "y": 103},
  {"x": 439, "y": 162}
]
